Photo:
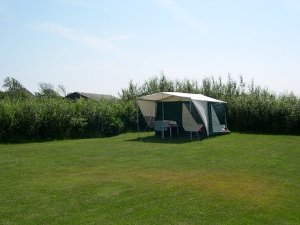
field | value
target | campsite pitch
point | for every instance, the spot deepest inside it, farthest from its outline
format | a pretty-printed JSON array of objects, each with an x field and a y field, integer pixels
[{"x": 231, "y": 179}]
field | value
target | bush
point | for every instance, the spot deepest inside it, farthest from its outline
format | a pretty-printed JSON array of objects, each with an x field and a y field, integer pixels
[{"x": 53, "y": 118}]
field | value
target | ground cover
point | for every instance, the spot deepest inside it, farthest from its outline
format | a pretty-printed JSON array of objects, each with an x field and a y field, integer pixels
[{"x": 232, "y": 179}]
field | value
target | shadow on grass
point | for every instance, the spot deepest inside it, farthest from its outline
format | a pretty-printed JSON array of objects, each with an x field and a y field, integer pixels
[{"x": 167, "y": 140}]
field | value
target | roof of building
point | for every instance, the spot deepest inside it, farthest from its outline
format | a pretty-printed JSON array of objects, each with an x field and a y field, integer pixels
[
  {"x": 25, "y": 90},
  {"x": 93, "y": 96}
]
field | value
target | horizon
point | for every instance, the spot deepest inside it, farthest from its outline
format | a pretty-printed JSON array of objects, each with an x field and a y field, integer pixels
[
  {"x": 98, "y": 46},
  {"x": 224, "y": 81}
]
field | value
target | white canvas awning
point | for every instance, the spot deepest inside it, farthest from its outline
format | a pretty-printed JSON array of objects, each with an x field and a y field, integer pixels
[{"x": 177, "y": 96}]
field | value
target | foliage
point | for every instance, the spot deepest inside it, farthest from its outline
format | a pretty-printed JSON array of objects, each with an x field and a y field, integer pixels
[
  {"x": 47, "y": 90},
  {"x": 14, "y": 89},
  {"x": 130, "y": 93},
  {"x": 11, "y": 84},
  {"x": 51, "y": 118},
  {"x": 62, "y": 90},
  {"x": 2, "y": 95}
]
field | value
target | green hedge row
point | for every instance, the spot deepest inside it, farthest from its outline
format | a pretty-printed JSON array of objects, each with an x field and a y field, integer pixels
[
  {"x": 267, "y": 114},
  {"x": 250, "y": 109},
  {"x": 53, "y": 118}
]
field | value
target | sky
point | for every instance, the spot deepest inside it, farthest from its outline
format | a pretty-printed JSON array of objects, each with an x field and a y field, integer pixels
[{"x": 98, "y": 46}]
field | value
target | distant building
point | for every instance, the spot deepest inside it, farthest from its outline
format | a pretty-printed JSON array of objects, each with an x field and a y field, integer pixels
[
  {"x": 27, "y": 92},
  {"x": 96, "y": 97}
]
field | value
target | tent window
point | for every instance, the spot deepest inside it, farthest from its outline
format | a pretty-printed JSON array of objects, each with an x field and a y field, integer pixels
[
  {"x": 220, "y": 110},
  {"x": 172, "y": 111}
]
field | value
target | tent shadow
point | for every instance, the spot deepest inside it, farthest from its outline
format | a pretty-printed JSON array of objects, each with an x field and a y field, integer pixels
[{"x": 167, "y": 140}]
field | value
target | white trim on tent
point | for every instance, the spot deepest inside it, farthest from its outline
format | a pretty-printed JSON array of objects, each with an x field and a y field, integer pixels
[
  {"x": 177, "y": 96},
  {"x": 202, "y": 108},
  {"x": 148, "y": 109},
  {"x": 188, "y": 121}
]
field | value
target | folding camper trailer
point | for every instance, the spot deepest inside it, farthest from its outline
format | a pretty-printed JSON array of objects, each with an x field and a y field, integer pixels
[{"x": 176, "y": 113}]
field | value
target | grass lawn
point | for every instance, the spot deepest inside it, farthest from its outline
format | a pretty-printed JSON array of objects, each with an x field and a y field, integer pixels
[{"x": 232, "y": 179}]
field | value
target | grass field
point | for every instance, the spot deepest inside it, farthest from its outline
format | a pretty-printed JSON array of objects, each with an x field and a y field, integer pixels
[{"x": 232, "y": 179}]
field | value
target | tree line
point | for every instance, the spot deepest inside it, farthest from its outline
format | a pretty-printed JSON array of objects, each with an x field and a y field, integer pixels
[
  {"x": 15, "y": 90},
  {"x": 48, "y": 115}
]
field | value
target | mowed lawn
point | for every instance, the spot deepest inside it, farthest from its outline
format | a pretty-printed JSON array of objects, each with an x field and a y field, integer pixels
[{"x": 231, "y": 179}]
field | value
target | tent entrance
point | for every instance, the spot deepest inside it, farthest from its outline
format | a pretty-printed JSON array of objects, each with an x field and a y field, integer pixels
[
  {"x": 169, "y": 112},
  {"x": 191, "y": 121},
  {"x": 218, "y": 122},
  {"x": 184, "y": 114}
]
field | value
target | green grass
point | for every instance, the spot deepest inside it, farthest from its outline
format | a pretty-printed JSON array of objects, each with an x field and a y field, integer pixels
[{"x": 232, "y": 179}]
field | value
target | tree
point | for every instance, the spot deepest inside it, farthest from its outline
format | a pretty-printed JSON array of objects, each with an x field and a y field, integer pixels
[
  {"x": 11, "y": 84},
  {"x": 2, "y": 95},
  {"x": 130, "y": 93},
  {"x": 14, "y": 89},
  {"x": 47, "y": 90},
  {"x": 62, "y": 90}
]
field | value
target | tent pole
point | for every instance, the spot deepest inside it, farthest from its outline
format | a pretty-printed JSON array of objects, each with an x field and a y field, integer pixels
[
  {"x": 191, "y": 133},
  {"x": 138, "y": 119},
  {"x": 226, "y": 120},
  {"x": 163, "y": 117}
]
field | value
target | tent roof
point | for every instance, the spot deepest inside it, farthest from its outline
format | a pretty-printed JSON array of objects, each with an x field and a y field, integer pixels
[{"x": 177, "y": 96}]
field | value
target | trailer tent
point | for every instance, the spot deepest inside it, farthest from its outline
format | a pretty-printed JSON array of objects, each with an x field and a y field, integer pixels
[{"x": 189, "y": 113}]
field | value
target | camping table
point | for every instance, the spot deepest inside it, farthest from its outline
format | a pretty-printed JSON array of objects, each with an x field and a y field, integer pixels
[
  {"x": 164, "y": 125},
  {"x": 170, "y": 128}
]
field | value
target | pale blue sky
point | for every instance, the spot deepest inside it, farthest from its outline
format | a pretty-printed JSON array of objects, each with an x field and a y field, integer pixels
[{"x": 99, "y": 45}]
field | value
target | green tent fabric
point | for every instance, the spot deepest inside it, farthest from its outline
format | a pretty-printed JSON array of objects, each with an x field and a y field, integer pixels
[{"x": 190, "y": 111}]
